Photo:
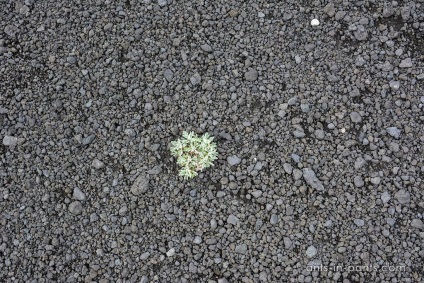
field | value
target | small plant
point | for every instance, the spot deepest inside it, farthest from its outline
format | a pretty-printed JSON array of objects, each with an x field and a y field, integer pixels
[{"x": 193, "y": 153}]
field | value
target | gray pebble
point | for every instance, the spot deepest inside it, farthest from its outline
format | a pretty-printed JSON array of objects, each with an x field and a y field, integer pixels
[
  {"x": 360, "y": 33},
  {"x": 241, "y": 249},
  {"x": 358, "y": 181},
  {"x": 311, "y": 251},
  {"x": 287, "y": 242},
  {"x": 10, "y": 30},
  {"x": 140, "y": 186},
  {"x": 233, "y": 220},
  {"x": 144, "y": 256},
  {"x": 168, "y": 74},
  {"x": 78, "y": 194},
  {"x": 385, "y": 197},
  {"x": 394, "y": 85},
  {"x": 10, "y": 141},
  {"x": 162, "y": 3},
  {"x": 233, "y": 160},
  {"x": 359, "y": 222},
  {"x": 196, "y": 79},
  {"x": 251, "y": 75},
  {"x": 417, "y": 223},
  {"x": 274, "y": 219},
  {"x": 311, "y": 179},
  {"x": 295, "y": 157},
  {"x": 355, "y": 117},
  {"x": 75, "y": 207},
  {"x": 406, "y": 63},
  {"x": 206, "y": 47},
  {"x": 319, "y": 134},
  {"x": 393, "y": 131},
  {"x": 403, "y": 196},
  {"x": 98, "y": 164},
  {"x": 144, "y": 279},
  {"x": 197, "y": 240},
  {"x": 170, "y": 252},
  {"x": 288, "y": 168}
]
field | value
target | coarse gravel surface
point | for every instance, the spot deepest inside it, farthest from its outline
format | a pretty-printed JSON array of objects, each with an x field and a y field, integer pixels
[{"x": 319, "y": 131}]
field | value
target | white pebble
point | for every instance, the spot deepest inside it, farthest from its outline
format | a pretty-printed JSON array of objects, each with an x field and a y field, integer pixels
[{"x": 314, "y": 22}]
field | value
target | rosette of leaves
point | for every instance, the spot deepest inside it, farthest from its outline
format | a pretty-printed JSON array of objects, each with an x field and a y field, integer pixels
[{"x": 193, "y": 153}]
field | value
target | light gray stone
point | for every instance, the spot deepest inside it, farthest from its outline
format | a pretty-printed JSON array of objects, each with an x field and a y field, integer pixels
[
  {"x": 403, "y": 196},
  {"x": 406, "y": 63},
  {"x": 417, "y": 223},
  {"x": 311, "y": 251},
  {"x": 355, "y": 117},
  {"x": 78, "y": 194},
  {"x": 98, "y": 164},
  {"x": 385, "y": 197},
  {"x": 311, "y": 179},
  {"x": 233, "y": 160},
  {"x": 233, "y": 220},
  {"x": 10, "y": 141},
  {"x": 359, "y": 222},
  {"x": 358, "y": 181},
  {"x": 241, "y": 249},
  {"x": 393, "y": 131}
]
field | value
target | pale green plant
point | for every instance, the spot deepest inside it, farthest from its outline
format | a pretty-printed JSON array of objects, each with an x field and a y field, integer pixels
[{"x": 193, "y": 153}]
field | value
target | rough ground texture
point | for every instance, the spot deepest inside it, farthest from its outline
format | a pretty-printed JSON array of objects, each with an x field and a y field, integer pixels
[{"x": 319, "y": 130}]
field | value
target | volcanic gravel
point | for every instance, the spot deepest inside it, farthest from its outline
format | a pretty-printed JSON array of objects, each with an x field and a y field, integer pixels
[{"x": 319, "y": 130}]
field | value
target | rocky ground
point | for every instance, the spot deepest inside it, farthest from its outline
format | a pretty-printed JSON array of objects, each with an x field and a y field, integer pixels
[{"x": 319, "y": 131}]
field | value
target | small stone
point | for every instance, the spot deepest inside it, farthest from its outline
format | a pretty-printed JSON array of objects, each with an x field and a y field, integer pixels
[
  {"x": 78, "y": 194},
  {"x": 394, "y": 85},
  {"x": 355, "y": 117},
  {"x": 98, "y": 164},
  {"x": 10, "y": 141},
  {"x": 251, "y": 75},
  {"x": 299, "y": 133},
  {"x": 233, "y": 220},
  {"x": 140, "y": 186},
  {"x": 359, "y": 162},
  {"x": 196, "y": 79},
  {"x": 170, "y": 253},
  {"x": 144, "y": 279},
  {"x": 319, "y": 134},
  {"x": 287, "y": 242},
  {"x": 144, "y": 256},
  {"x": 375, "y": 180},
  {"x": 233, "y": 160},
  {"x": 206, "y": 47},
  {"x": 288, "y": 168},
  {"x": 261, "y": 15},
  {"x": 360, "y": 33},
  {"x": 329, "y": 9},
  {"x": 24, "y": 9},
  {"x": 311, "y": 179},
  {"x": 214, "y": 224},
  {"x": 358, "y": 181},
  {"x": 168, "y": 74},
  {"x": 162, "y": 3},
  {"x": 71, "y": 59},
  {"x": 197, "y": 240},
  {"x": 406, "y": 63},
  {"x": 241, "y": 249},
  {"x": 75, "y": 207},
  {"x": 295, "y": 157},
  {"x": 403, "y": 197},
  {"x": 274, "y": 219},
  {"x": 315, "y": 22},
  {"x": 385, "y": 197},
  {"x": 10, "y": 30},
  {"x": 311, "y": 251},
  {"x": 297, "y": 59},
  {"x": 417, "y": 223},
  {"x": 359, "y": 222},
  {"x": 393, "y": 131}
]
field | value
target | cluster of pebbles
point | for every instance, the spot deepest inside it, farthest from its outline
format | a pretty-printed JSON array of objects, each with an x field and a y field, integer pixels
[{"x": 319, "y": 131}]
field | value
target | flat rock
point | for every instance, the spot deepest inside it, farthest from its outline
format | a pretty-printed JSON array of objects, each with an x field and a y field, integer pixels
[
  {"x": 10, "y": 141},
  {"x": 311, "y": 179},
  {"x": 393, "y": 131},
  {"x": 406, "y": 63},
  {"x": 75, "y": 207},
  {"x": 233, "y": 160},
  {"x": 233, "y": 220},
  {"x": 417, "y": 223},
  {"x": 241, "y": 249},
  {"x": 98, "y": 164},
  {"x": 403, "y": 196},
  {"x": 311, "y": 251},
  {"x": 78, "y": 194},
  {"x": 355, "y": 117},
  {"x": 140, "y": 186},
  {"x": 251, "y": 75},
  {"x": 358, "y": 181}
]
